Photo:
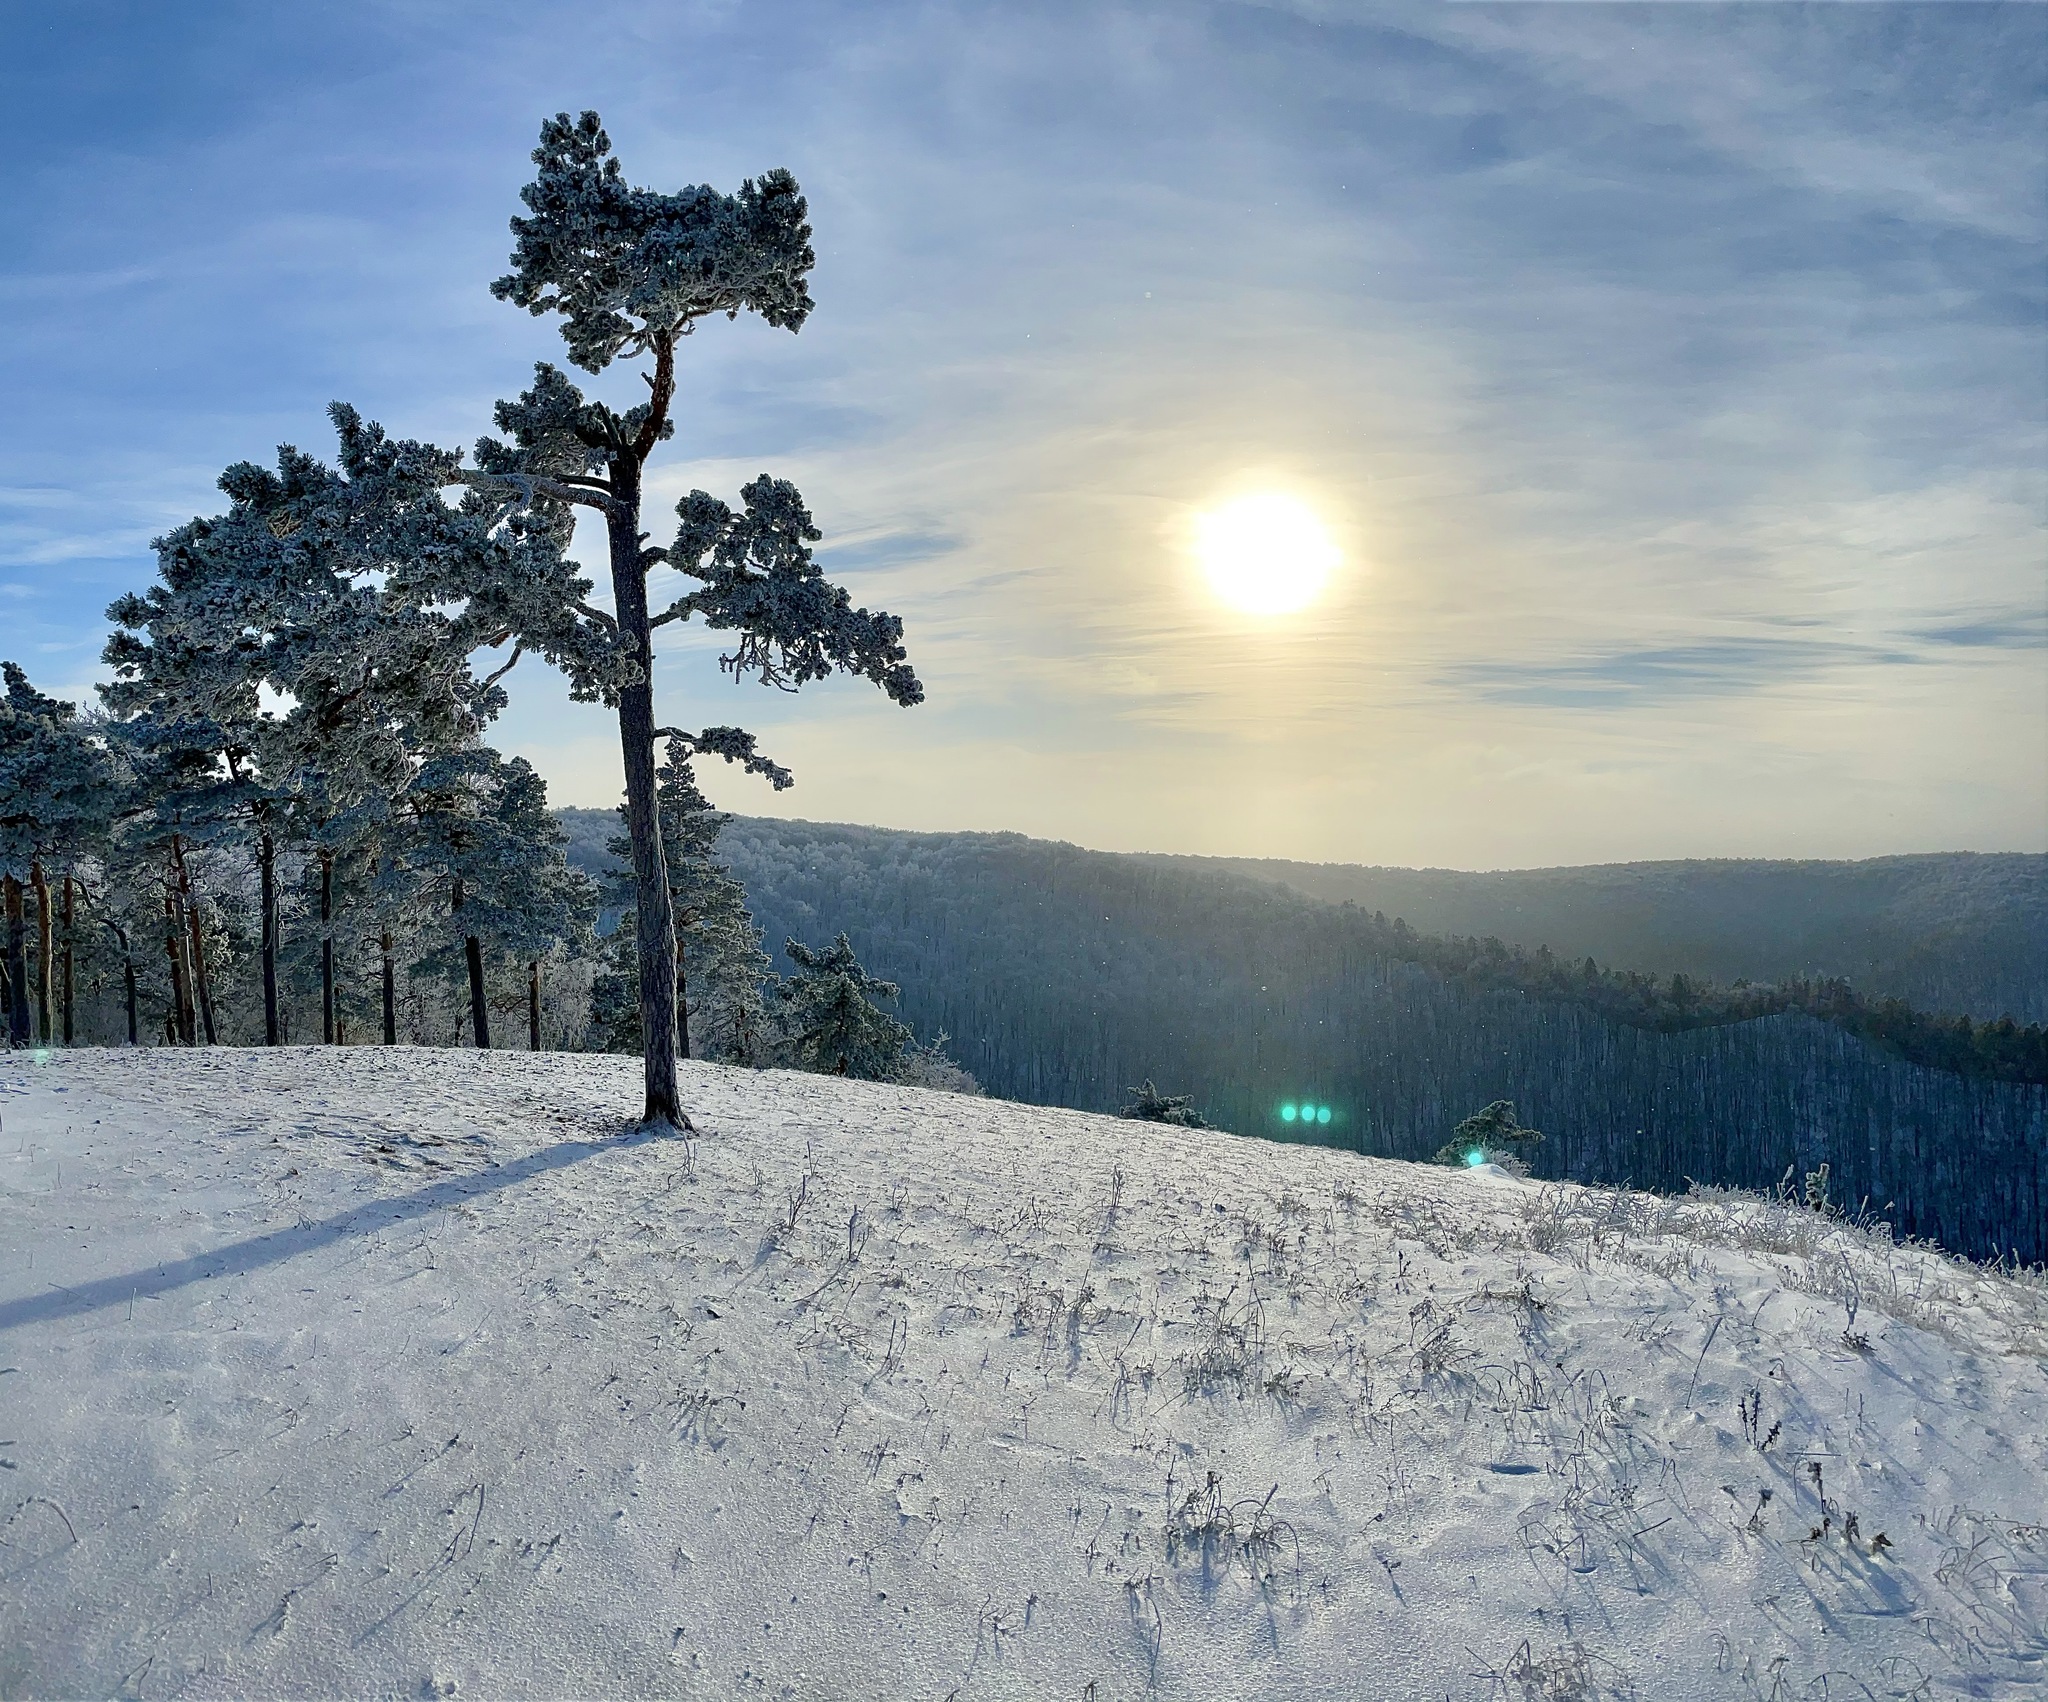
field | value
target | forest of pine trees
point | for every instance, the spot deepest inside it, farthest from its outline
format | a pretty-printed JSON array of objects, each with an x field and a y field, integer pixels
[
  {"x": 185, "y": 875},
  {"x": 1067, "y": 976},
  {"x": 192, "y": 872}
]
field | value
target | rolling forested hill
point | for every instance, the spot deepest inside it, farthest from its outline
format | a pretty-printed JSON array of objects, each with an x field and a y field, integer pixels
[
  {"x": 1065, "y": 976},
  {"x": 1950, "y": 932},
  {"x": 1959, "y": 931}
]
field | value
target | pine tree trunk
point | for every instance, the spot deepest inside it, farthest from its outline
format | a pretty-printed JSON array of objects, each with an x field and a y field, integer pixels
[
  {"x": 44, "y": 950},
  {"x": 533, "y": 1006},
  {"x": 682, "y": 1003},
  {"x": 202, "y": 982},
  {"x": 185, "y": 1018},
  {"x": 479, "y": 1011},
  {"x": 69, "y": 916},
  {"x": 683, "y": 986},
  {"x": 654, "y": 914},
  {"x": 128, "y": 976},
  {"x": 17, "y": 961},
  {"x": 266, "y": 859},
  {"x": 473, "y": 954},
  {"x": 174, "y": 949},
  {"x": 390, "y": 991},
  {"x": 326, "y": 948}
]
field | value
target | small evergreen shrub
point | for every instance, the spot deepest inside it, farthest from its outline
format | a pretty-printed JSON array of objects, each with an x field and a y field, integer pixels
[
  {"x": 1489, "y": 1136},
  {"x": 1149, "y": 1105}
]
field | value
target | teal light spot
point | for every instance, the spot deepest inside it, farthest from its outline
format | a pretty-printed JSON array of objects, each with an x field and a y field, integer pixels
[
  {"x": 1288, "y": 1113},
  {"x": 1475, "y": 1158},
  {"x": 1322, "y": 1113},
  {"x": 41, "y": 1054}
]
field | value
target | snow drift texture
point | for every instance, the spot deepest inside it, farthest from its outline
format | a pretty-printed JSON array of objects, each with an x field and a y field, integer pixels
[{"x": 416, "y": 1373}]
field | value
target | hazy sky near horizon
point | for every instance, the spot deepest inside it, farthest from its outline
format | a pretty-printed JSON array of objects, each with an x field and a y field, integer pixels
[{"x": 1672, "y": 379}]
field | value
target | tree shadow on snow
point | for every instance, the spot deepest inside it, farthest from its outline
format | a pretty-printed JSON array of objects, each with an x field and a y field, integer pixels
[{"x": 241, "y": 1257}]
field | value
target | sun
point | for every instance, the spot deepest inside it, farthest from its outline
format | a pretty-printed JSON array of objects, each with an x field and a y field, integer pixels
[{"x": 1265, "y": 553}]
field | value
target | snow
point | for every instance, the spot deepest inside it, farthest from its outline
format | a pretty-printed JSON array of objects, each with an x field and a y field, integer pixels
[{"x": 417, "y": 1373}]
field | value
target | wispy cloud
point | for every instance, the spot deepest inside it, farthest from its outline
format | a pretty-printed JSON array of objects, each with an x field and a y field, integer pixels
[
  {"x": 1631, "y": 679},
  {"x": 2024, "y": 631},
  {"x": 890, "y": 549},
  {"x": 1670, "y": 374}
]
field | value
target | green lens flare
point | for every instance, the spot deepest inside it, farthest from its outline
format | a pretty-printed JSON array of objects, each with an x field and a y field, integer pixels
[
  {"x": 1288, "y": 1113},
  {"x": 1475, "y": 1158},
  {"x": 1322, "y": 1113}
]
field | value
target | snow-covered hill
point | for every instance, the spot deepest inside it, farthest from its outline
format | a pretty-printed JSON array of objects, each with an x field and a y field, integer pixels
[{"x": 415, "y": 1373}]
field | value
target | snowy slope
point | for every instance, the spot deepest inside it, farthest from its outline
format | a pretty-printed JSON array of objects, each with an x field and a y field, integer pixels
[{"x": 414, "y": 1373}]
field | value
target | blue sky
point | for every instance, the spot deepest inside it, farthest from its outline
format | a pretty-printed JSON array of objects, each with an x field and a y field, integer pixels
[{"x": 1672, "y": 377}]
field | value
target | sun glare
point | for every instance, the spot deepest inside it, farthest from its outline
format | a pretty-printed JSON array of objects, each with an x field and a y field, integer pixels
[{"x": 1265, "y": 553}]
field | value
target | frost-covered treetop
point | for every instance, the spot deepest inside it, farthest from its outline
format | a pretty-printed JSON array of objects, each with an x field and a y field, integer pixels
[
  {"x": 23, "y": 700},
  {"x": 56, "y": 783},
  {"x": 630, "y": 268}
]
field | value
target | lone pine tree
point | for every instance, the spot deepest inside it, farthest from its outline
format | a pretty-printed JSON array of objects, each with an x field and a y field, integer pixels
[{"x": 631, "y": 271}]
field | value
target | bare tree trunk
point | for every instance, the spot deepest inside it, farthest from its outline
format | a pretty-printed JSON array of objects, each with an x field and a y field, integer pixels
[
  {"x": 326, "y": 948},
  {"x": 17, "y": 961},
  {"x": 202, "y": 982},
  {"x": 654, "y": 912},
  {"x": 127, "y": 973},
  {"x": 682, "y": 989},
  {"x": 69, "y": 917},
  {"x": 533, "y": 1006},
  {"x": 266, "y": 861},
  {"x": 181, "y": 1025},
  {"x": 479, "y": 1011},
  {"x": 473, "y": 952},
  {"x": 44, "y": 950},
  {"x": 390, "y": 991}
]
